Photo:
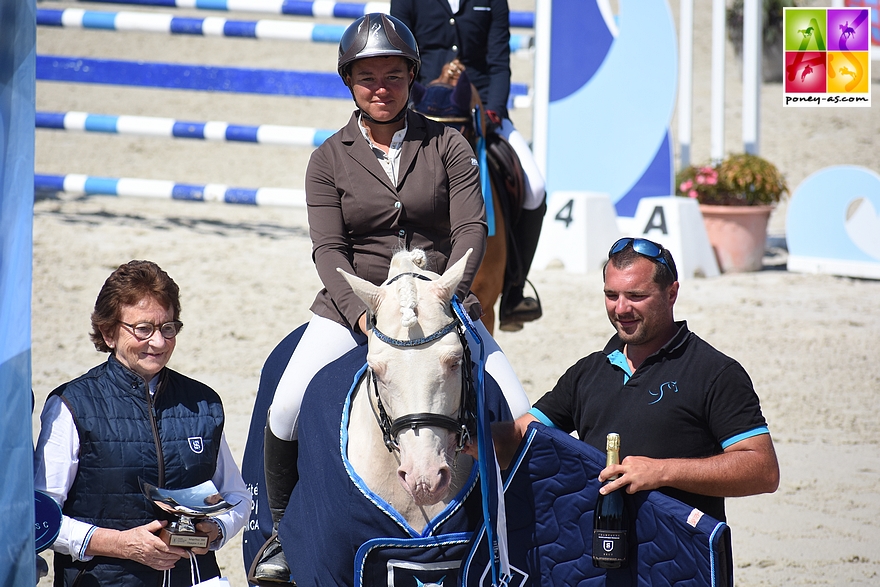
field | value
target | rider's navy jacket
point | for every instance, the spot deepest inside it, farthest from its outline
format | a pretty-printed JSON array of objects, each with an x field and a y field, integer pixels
[
  {"x": 478, "y": 34},
  {"x": 171, "y": 440}
]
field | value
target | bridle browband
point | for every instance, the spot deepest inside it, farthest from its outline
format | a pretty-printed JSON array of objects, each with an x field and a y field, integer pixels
[{"x": 466, "y": 421}]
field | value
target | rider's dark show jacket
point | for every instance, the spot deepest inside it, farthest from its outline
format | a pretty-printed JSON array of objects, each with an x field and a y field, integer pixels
[{"x": 478, "y": 34}]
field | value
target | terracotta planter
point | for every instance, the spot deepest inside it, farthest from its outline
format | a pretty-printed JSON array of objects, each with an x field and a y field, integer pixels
[{"x": 738, "y": 235}]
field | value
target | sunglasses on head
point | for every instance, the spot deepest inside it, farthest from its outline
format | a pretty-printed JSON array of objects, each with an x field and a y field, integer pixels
[{"x": 645, "y": 248}]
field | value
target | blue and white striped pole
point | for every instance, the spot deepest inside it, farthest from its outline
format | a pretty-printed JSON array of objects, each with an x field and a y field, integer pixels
[
  {"x": 169, "y": 190},
  {"x": 264, "y": 134},
  {"x": 209, "y": 27},
  {"x": 318, "y": 8}
]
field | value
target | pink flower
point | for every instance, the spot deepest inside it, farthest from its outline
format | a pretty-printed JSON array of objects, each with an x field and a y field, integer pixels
[
  {"x": 692, "y": 194},
  {"x": 686, "y": 185}
]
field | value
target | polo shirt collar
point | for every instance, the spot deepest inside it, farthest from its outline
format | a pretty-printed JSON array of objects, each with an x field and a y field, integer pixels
[{"x": 614, "y": 349}]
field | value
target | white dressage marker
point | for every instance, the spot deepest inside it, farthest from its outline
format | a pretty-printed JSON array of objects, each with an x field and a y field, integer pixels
[
  {"x": 677, "y": 224},
  {"x": 578, "y": 230}
]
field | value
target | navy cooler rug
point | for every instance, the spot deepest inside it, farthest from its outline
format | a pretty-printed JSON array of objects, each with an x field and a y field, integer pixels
[
  {"x": 550, "y": 494},
  {"x": 259, "y": 526}
]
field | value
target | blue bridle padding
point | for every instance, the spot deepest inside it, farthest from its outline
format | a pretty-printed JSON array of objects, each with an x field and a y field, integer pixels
[{"x": 490, "y": 482}]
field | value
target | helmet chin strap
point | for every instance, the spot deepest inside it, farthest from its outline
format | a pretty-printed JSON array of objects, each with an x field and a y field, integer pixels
[{"x": 397, "y": 118}]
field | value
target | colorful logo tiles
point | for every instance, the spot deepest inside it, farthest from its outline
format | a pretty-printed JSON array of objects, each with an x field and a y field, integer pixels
[{"x": 827, "y": 56}]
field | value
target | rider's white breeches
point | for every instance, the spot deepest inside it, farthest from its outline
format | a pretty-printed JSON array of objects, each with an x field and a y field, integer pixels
[
  {"x": 534, "y": 179},
  {"x": 324, "y": 341}
]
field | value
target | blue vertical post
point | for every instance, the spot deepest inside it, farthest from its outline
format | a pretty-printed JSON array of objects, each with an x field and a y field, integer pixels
[
  {"x": 605, "y": 94},
  {"x": 17, "y": 90}
]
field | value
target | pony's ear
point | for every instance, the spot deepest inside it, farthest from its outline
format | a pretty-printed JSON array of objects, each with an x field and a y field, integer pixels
[
  {"x": 368, "y": 293},
  {"x": 445, "y": 285},
  {"x": 461, "y": 93},
  {"x": 417, "y": 94}
]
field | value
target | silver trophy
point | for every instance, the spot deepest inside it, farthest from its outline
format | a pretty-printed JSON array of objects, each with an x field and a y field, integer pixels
[{"x": 188, "y": 505}]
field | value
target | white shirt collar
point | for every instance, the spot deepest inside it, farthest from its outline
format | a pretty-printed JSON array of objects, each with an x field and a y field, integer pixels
[{"x": 390, "y": 161}]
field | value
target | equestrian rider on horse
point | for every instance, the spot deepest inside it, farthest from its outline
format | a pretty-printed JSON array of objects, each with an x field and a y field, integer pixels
[{"x": 389, "y": 180}]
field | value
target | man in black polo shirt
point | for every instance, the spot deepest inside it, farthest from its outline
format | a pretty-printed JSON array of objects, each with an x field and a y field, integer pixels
[{"x": 688, "y": 416}]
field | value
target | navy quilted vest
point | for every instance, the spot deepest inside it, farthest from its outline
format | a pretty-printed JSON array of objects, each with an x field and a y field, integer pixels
[{"x": 171, "y": 441}]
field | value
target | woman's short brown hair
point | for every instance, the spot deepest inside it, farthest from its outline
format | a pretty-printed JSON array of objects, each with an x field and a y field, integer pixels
[{"x": 127, "y": 286}]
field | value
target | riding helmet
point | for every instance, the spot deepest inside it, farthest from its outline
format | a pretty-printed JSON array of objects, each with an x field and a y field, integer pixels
[{"x": 377, "y": 35}]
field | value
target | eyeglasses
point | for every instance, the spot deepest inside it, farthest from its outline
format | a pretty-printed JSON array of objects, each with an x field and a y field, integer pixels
[
  {"x": 645, "y": 248},
  {"x": 144, "y": 330}
]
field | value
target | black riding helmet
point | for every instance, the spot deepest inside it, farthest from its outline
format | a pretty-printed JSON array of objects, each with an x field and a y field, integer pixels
[{"x": 377, "y": 35}]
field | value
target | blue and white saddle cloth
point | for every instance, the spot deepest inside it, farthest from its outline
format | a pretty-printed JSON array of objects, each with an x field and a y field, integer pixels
[{"x": 335, "y": 531}]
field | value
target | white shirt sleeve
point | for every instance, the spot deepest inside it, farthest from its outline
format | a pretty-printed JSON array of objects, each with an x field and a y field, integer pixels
[
  {"x": 56, "y": 461},
  {"x": 227, "y": 478}
]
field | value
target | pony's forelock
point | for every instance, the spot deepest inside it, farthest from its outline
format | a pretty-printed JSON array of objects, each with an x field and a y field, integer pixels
[
  {"x": 407, "y": 293},
  {"x": 408, "y": 298}
]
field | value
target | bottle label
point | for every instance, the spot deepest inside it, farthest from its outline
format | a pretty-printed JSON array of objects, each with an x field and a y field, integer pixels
[{"x": 609, "y": 545}]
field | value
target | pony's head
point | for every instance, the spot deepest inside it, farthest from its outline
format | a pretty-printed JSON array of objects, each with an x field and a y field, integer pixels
[{"x": 416, "y": 358}]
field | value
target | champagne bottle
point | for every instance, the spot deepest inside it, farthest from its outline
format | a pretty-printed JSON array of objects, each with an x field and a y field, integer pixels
[{"x": 610, "y": 518}]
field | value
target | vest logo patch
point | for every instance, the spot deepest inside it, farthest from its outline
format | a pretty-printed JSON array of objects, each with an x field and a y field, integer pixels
[{"x": 196, "y": 445}]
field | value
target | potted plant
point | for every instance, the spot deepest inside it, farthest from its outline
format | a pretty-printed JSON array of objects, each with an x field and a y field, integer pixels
[{"x": 736, "y": 197}]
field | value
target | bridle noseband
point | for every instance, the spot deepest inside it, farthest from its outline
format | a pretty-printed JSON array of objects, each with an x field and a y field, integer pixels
[{"x": 466, "y": 421}]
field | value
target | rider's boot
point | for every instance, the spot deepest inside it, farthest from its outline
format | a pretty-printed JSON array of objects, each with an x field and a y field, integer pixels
[
  {"x": 516, "y": 308},
  {"x": 279, "y": 457}
]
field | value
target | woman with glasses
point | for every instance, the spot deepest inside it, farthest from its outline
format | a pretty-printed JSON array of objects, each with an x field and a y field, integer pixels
[{"x": 128, "y": 420}]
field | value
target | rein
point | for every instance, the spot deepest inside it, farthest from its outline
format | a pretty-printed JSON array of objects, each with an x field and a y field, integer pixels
[{"x": 466, "y": 420}]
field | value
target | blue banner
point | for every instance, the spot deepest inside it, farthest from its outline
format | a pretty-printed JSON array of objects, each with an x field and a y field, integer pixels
[{"x": 17, "y": 91}]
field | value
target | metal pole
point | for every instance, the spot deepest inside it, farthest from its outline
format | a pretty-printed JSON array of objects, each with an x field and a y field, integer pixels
[
  {"x": 541, "y": 103},
  {"x": 685, "y": 80},
  {"x": 717, "y": 111},
  {"x": 752, "y": 77}
]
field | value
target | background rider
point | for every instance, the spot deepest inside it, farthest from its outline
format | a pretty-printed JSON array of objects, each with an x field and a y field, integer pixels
[{"x": 475, "y": 34}]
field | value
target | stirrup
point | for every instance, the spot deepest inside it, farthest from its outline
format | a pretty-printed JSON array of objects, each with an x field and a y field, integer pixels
[
  {"x": 270, "y": 565},
  {"x": 526, "y": 310}
]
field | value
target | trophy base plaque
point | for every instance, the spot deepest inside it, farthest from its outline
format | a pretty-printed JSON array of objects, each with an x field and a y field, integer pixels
[{"x": 184, "y": 539}]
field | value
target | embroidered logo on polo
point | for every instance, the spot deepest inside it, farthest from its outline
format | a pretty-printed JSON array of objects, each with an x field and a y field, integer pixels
[
  {"x": 668, "y": 387},
  {"x": 196, "y": 445}
]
